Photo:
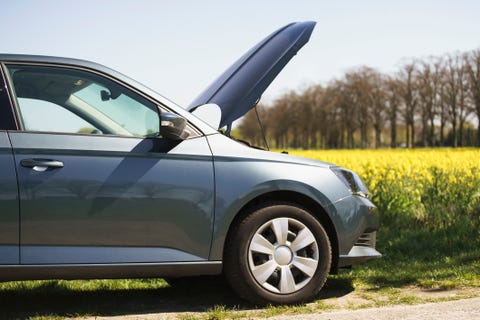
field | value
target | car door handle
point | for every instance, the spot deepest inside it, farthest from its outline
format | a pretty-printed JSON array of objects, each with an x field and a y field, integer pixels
[{"x": 41, "y": 164}]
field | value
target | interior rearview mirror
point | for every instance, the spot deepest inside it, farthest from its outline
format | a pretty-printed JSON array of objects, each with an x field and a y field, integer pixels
[{"x": 172, "y": 126}]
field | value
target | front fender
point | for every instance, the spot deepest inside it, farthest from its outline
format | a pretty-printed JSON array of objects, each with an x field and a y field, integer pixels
[{"x": 227, "y": 208}]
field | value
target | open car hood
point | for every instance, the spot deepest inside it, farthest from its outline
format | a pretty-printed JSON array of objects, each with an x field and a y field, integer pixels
[{"x": 238, "y": 89}]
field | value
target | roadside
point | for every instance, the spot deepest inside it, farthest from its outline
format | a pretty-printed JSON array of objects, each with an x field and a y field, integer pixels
[
  {"x": 409, "y": 303},
  {"x": 468, "y": 309},
  {"x": 369, "y": 286}
]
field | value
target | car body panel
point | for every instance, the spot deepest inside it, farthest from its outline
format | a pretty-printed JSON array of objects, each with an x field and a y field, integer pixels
[
  {"x": 357, "y": 216},
  {"x": 9, "y": 214},
  {"x": 109, "y": 271},
  {"x": 7, "y": 119},
  {"x": 114, "y": 192},
  {"x": 238, "y": 89},
  {"x": 357, "y": 255},
  {"x": 86, "y": 254},
  {"x": 243, "y": 174}
]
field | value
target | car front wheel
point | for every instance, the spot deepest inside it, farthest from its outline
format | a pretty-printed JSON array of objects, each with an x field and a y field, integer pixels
[{"x": 279, "y": 253}]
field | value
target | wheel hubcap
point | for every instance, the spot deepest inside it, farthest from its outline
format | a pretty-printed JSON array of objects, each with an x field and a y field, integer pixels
[{"x": 283, "y": 255}]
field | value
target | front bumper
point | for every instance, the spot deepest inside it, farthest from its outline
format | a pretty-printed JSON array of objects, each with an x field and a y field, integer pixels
[
  {"x": 363, "y": 251},
  {"x": 358, "y": 255}
]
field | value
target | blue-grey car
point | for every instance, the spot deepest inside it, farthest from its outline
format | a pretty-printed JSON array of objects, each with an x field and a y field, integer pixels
[{"x": 102, "y": 177}]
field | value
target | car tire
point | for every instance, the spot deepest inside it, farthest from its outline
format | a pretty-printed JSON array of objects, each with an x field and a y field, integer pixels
[{"x": 278, "y": 253}]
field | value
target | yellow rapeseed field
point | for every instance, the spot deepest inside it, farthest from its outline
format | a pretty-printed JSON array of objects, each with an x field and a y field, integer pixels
[{"x": 433, "y": 186}]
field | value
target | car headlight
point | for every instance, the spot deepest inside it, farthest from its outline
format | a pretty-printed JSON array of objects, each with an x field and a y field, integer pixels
[{"x": 352, "y": 181}]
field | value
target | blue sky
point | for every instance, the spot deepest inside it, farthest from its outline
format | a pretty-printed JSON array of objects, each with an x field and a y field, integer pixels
[{"x": 179, "y": 47}]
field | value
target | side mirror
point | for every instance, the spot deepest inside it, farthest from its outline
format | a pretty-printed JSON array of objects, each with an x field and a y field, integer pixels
[{"x": 172, "y": 126}]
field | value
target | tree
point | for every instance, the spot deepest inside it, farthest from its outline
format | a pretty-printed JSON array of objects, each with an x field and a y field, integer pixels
[
  {"x": 345, "y": 105},
  {"x": 408, "y": 89},
  {"x": 464, "y": 104},
  {"x": 358, "y": 85},
  {"x": 393, "y": 96},
  {"x": 455, "y": 94},
  {"x": 318, "y": 117},
  {"x": 473, "y": 72},
  {"x": 429, "y": 78},
  {"x": 378, "y": 100}
]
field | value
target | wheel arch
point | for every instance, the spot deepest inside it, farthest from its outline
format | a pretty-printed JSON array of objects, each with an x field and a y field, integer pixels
[{"x": 298, "y": 199}]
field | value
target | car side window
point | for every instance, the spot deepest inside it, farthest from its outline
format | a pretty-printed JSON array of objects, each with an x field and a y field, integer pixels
[
  {"x": 33, "y": 113},
  {"x": 57, "y": 99}
]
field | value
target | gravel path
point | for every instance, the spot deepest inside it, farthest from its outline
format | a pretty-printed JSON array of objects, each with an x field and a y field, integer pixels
[{"x": 467, "y": 309}]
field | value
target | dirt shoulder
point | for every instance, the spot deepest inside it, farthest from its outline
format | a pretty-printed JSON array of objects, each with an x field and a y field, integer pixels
[
  {"x": 468, "y": 309},
  {"x": 408, "y": 303}
]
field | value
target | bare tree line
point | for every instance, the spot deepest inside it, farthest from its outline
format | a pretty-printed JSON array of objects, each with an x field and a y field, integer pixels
[{"x": 427, "y": 102}]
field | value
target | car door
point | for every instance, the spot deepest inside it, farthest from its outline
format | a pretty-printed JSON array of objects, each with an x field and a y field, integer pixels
[
  {"x": 97, "y": 182},
  {"x": 9, "y": 215}
]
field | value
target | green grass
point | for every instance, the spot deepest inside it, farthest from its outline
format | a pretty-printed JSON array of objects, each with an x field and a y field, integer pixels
[{"x": 442, "y": 258}]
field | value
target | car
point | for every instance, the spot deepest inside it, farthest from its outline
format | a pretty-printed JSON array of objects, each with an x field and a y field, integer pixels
[{"x": 104, "y": 178}]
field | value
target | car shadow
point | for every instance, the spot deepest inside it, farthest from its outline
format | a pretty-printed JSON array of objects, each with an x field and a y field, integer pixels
[{"x": 53, "y": 299}]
